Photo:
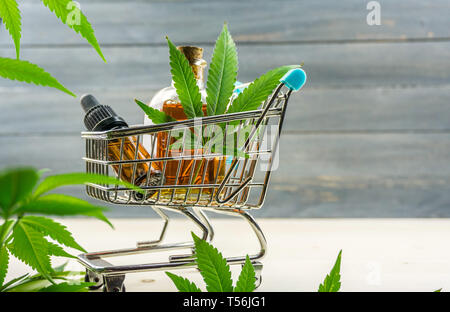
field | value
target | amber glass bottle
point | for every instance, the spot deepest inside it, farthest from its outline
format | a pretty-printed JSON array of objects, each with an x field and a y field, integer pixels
[
  {"x": 166, "y": 100},
  {"x": 126, "y": 172},
  {"x": 101, "y": 118}
]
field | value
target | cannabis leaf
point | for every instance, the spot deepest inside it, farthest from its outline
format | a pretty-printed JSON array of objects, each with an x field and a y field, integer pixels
[
  {"x": 229, "y": 150},
  {"x": 31, "y": 247},
  {"x": 185, "y": 83},
  {"x": 69, "y": 13},
  {"x": 36, "y": 282},
  {"x": 16, "y": 185},
  {"x": 63, "y": 205},
  {"x": 67, "y": 287},
  {"x": 183, "y": 284},
  {"x": 215, "y": 271},
  {"x": 332, "y": 282},
  {"x": 27, "y": 72},
  {"x": 222, "y": 74},
  {"x": 51, "y": 228},
  {"x": 246, "y": 281},
  {"x": 213, "y": 267},
  {"x": 5, "y": 229},
  {"x": 56, "y": 250},
  {"x": 155, "y": 115},
  {"x": 232, "y": 143},
  {"x": 24, "y": 236},
  {"x": 4, "y": 261},
  {"x": 259, "y": 90},
  {"x": 58, "y": 180},
  {"x": 13, "y": 281},
  {"x": 10, "y": 14}
]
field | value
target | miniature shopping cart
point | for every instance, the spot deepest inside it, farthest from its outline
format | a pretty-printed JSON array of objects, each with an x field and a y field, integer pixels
[{"x": 188, "y": 182}]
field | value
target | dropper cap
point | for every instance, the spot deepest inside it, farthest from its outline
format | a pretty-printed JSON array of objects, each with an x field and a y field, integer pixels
[
  {"x": 88, "y": 101},
  {"x": 100, "y": 117}
]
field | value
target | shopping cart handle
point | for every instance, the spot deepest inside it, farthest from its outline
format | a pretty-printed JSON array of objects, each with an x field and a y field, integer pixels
[{"x": 294, "y": 79}]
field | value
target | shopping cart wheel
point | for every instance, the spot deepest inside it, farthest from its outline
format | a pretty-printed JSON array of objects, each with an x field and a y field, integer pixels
[
  {"x": 114, "y": 283},
  {"x": 91, "y": 277},
  {"x": 258, "y": 266}
]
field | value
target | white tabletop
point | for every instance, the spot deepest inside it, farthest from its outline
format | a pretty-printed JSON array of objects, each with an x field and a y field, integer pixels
[{"x": 378, "y": 254}]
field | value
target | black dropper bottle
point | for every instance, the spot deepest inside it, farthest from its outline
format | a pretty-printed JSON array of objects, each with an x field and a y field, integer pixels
[{"x": 100, "y": 117}]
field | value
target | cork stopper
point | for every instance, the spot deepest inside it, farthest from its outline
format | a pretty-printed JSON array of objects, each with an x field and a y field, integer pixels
[
  {"x": 192, "y": 53},
  {"x": 195, "y": 57}
]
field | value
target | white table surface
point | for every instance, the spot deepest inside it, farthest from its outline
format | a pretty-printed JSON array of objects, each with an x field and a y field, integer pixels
[{"x": 378, "y": 254}]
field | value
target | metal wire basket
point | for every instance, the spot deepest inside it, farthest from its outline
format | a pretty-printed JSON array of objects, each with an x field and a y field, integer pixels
[{"x": 190, "y": 177}]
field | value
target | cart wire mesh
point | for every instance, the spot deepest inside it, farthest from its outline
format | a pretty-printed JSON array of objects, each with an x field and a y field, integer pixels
[{"x": 175, "y": 167}]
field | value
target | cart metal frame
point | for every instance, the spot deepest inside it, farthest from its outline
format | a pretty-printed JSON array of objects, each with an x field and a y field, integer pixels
[{"x": 242, "y": 188}]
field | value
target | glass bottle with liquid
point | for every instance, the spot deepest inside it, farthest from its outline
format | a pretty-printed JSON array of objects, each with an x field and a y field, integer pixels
[
  {"x": 188, "y": 171},
  {"x": 102, "y": 118}
]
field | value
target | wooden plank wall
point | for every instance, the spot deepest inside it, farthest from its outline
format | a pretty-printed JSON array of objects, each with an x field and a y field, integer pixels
[{"x": 369, "y": 136}]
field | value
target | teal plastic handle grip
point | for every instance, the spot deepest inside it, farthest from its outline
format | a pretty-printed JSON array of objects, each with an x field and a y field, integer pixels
[{"x": 294, "y": 79}]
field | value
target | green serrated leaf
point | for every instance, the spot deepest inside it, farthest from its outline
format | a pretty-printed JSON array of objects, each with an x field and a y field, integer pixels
[
  {"x": 156, "y": 116},
  {"x": 5, "y": 230},
  {"x": 68, "y": 287},
  {"x": 4, "y": 261},
  {"x": 55, "y": 230},
  {"x": 27, "y": 72},
  {"x": 58, "y": 251},
  {"x": 233, "y": 142},
  {"x": 10, "y": 14},
  {"x": 213, "y": 267},
  {"x": 42, "y": 171},
  {"x": 10, "y": 283},
  {"x": 230, "y": 151},
  {"x": 438, "y": 290},
  {"x": 222, "y": 74},
  {"x": 187, "y": 141},
  {"x": 61, "y": 268},
  {"x": 259, "y": 90},
  {"x": 29, "y": 285},
  {"x": 69, "y": 13},
  {"x": 16, "y": 185},
  {"x": 185, "y": 83},
  {"x": 63, "y": 205},
  {"x": 332, "y": 282},
  {"x": 55, "y": 181},
  {"x": 36, "y": 282},
  {"x": 31, "y": 247},
  {"x": 246, "y": 281},
  {"x": 33, "y": 284},
  {"x": 183, "y": 284}
]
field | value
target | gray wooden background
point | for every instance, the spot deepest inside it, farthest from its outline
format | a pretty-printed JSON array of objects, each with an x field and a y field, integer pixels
[{"x": 369, "y": 136}]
